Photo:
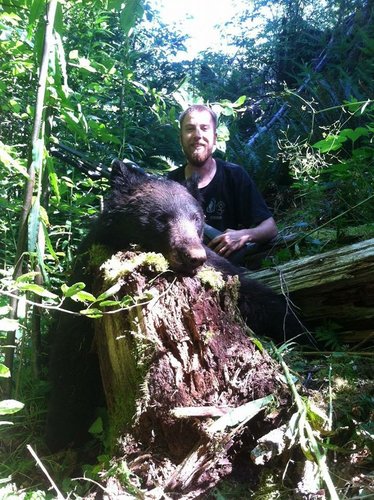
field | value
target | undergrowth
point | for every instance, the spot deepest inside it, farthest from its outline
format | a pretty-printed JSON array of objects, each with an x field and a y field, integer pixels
[{"x": 340, "y": 384}]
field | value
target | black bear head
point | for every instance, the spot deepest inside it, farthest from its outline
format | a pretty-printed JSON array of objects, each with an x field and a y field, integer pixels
[{"x": 156, "y": 213}]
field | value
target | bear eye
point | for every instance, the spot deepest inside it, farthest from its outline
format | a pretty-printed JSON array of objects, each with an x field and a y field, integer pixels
[
  {"x": 162, "y": 218},
  {"x": 196, "y": 217}
]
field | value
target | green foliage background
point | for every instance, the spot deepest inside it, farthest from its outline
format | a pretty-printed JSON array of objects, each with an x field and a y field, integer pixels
[{"x": 295, "y": 105}]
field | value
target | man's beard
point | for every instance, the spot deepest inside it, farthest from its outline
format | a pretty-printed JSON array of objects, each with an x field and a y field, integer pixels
[{"x": 197, "y": 158}]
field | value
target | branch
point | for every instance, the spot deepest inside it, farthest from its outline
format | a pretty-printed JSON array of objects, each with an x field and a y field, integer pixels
[{"x": 79, "y": 160}]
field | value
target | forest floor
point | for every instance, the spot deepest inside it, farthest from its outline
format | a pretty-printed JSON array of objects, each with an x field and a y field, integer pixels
[{"x": 340, "y": 384}]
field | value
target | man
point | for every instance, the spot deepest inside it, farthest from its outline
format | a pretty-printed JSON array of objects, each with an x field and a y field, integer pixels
[{"x": 231, "y": 201}]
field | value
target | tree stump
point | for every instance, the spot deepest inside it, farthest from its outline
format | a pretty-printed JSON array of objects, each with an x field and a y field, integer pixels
[{"x": 179, "y": 370}]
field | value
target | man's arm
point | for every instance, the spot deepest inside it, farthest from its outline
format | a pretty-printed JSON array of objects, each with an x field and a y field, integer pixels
[{"x": 232, "y": 240}]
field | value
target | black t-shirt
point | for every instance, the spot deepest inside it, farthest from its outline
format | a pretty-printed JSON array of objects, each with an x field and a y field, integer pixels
[{"x": 231, "y": 200}]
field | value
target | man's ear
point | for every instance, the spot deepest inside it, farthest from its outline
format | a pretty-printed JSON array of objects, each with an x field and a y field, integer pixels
[{"x": 192, "y": 185}]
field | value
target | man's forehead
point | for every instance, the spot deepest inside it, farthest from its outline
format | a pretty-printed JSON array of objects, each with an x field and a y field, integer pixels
[{"x": 198, "y": 117}]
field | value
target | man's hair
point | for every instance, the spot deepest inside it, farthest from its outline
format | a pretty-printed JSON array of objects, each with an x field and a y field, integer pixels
[{"x": 200, "y": 108}]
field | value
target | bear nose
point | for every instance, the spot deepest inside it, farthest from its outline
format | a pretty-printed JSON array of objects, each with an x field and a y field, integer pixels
[{"x": 195, "y": 257}]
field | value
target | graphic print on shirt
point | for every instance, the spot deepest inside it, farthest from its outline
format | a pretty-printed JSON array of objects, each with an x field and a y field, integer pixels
[{"x": 215, "y": 209}]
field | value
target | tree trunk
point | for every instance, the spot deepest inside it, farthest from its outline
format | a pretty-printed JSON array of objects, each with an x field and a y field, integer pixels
[
  {"x": 174, "y": 362},
  {"x": 335, "y": 287}
]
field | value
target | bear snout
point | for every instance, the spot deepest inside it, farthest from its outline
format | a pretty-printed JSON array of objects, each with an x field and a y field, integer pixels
[
  {"x": 196, "y": 256},
  {"x": 187, "y": 260}
]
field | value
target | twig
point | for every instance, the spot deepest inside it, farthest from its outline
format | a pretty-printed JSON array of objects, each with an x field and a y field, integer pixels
[
  {"x": 42, "y": 306},
  {"x": 60, "y": 496},
  {"x": 74, "y": 313},
  {"x": 91, "y": 481}
]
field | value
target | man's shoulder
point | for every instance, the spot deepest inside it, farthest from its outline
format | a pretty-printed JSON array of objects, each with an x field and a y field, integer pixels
[
  {"x": 231, "y": 169},
  {"x": 226, "y": 164}
]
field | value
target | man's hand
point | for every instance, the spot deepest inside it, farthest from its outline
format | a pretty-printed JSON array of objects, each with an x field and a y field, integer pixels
[
  {"x": 232, "y": 240},
  {"x": 229, "y": 241}
]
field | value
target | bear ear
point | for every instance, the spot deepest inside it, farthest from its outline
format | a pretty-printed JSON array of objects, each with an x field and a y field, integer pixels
[
  {"x": 125, "y": 173},
  {"x": 192, "y": 185}
]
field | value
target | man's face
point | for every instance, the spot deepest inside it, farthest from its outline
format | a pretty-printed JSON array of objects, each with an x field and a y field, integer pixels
[{"x": 198, "y": 137}]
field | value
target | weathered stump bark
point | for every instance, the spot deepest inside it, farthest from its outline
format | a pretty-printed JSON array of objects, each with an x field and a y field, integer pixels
[
  {"x": 335, "y": 287},
  {"x": 175, "y": 360}
]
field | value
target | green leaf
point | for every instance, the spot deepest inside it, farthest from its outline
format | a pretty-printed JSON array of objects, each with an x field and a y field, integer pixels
[
  {"x": 33, "y": 226},
  {"x": 133, "y": 11},
  {"x": 16, "y": 108},
  {"x": 111, "y": 291},
  {"x": 127, "y": 301},
  {"x": 239, "y": 415},
  {"x": 48, "y": 242},
  {"x": 240, "y": 101},
  {"x": 4, "y": 371},
  {"x": 352, "y": 105},
  {"x": 27, "y": 277},
  {"x": 228, "y": 110},
  {"x": 354, "y": 134},
  {"x": 8, "y": 325},
  {"x": 61, "y": 79},
  {"x": 73, "y": 124},
  {"x": 4, "y": 310},
  {"x": 92, "y": 313},
  {"x": 110, "y": 303},
  {"x": 53, "y": 179},
  {"x": 115, "y": 4},
  {"x": 37, "y": 10},
  {"x": 74, "y": 54},
  {"x": 84, "y": 296},
  {"x": 85, "y": 63},
  {"x": 39, "y": 41},
  {"x": 33, "y": 222},
  {"x": 330, "y": 143},
  {"x": 8, "y": 161},
  {"x": 37, "y": 289},
  {"x": 97, "y": 427},
  {"x": 317, "y": 417},
  {"x": 59, "y": 21},
  {"x": 73, "y": 289},
  {"x": 10, "y": 406}
]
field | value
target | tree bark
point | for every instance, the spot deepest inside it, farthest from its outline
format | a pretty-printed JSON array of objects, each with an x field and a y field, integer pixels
[
  {"x": 178, "y": 359},
  {"x": 334, "y": 287}
]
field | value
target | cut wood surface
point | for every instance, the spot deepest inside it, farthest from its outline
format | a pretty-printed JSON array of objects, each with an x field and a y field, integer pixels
[{"x": 335, "y": 286}]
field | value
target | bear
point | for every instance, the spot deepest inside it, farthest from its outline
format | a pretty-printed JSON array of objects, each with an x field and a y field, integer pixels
[{"x": 159, "y": 215}]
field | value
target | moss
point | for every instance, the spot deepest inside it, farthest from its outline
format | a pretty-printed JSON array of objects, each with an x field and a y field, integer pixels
[
  {"x": 207, "y": 336},
  {"x": 117, "y": 267},
  {"x": 212, "y": 278}
]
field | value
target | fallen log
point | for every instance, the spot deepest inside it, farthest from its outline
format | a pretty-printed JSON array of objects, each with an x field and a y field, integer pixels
[
  {"x": 332, "y": 288},
  {"x": 183, "y": 379}
]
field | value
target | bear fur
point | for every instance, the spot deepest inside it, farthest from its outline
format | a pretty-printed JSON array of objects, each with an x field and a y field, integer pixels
[{"x": 159, "y": 215}]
